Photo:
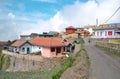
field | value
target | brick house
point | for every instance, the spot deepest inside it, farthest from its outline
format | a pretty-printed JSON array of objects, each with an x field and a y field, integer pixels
[{"x": 70, "y": 30}]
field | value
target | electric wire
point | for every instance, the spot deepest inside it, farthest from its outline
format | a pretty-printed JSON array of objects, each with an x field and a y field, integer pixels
[{"x": 113, "y": 14}]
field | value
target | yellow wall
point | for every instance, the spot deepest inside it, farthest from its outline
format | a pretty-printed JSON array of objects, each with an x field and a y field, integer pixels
[{"x": 73, "y": 35}]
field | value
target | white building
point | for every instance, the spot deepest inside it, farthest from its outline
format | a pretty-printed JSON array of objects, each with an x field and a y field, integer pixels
[
  {"x": 106, "y": 33},
  {"x": 24, "y": 47},
  {"x": 90, "y": 30}
]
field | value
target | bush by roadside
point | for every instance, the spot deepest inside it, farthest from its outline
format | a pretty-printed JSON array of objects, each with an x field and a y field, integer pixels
[
  {"x": 76, "y": 67},
  {"x": 1, "y": 60}
]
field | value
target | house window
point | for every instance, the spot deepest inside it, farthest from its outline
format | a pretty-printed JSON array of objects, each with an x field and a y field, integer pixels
[
  {"x": 100, "y": 33},
  {"x": 97, "y": 33},
  {"x": 52, "y": 49},
  {"x": 23, "y": 49},
  {"x": 105, "y": 33},
  {"x": 110, "y": 33}
]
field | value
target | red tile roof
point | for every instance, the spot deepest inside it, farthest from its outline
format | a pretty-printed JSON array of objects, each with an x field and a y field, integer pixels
[
  {"x": 53, "y": 41},
  {"x": 18, "y": 43}
]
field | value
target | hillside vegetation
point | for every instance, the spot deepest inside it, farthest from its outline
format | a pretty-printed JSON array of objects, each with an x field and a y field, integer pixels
[{"x": 52, "y": 68}]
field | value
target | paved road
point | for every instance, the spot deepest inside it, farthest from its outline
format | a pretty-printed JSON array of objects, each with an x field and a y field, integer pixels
[{"x": 103, "y": 66}]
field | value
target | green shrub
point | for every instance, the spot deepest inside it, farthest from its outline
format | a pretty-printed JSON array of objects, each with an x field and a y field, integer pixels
[
  {"x": 70, "y": 61},
  {"x": 81, "y": 41},
  {"x": 78, "y": 54},
  {"x": 1, "y": 60},
  {"x": 87, "y": 59},
  {"x": 68, "y": 64},
  {"x": 38, "y": 53}
]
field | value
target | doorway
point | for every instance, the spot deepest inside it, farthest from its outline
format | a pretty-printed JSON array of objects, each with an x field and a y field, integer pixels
[
  {"x": 79, "y": 35},
  {"x": 58, "y": 50},
  {"x": 28, "y": 50}
]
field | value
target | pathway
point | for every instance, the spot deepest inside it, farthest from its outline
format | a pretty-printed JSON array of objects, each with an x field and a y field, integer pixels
[{"x": 103, "y": 66}]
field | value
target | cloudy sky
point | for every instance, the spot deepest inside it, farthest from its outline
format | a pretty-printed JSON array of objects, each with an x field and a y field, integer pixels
[{"x": 36, "y": 16}]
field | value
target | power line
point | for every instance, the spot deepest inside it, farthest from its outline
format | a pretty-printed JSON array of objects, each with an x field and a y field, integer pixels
[{"x": 112, "y": 14}]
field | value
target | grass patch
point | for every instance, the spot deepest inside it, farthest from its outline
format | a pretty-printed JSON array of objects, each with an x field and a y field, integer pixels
[
  {"x": 68, "y": 64},
  {"x": 86, "y": 56},
  {"x": 78, "y": 53},
  {"x": 109, "y": 47},
  {"x": 116, "y": 53},
  {"x": 113, "y": 52},
  {"x": 87, "y": 59},
  {"x": 7, "y": 62},
  {"x": 83, "y": 49},
  {"x": 36, "y": 74},
  {"x": 80, "y": 41},
  {"x": 1, "y": 60}
]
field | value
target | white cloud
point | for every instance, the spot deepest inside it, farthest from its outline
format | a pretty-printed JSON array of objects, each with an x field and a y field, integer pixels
[
  {"x": 86, "y": 13},
  {"x": 76, "y": 14},
  {"x": 52, "y": 24},
  {"x": 80, "y": 14},
  {"x": 11, "y": 15},
  {"x": 57, "y": 21}
]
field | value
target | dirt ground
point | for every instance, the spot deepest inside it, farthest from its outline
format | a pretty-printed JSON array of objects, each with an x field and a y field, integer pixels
[{"x": 80, "y": 70}]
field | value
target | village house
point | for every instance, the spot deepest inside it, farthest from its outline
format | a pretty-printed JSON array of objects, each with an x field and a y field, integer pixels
[
  {"x": 72, "y": 32},
  {"x": 71, "y": 45},
  {"x": 24, "y": 47},
  {"x": 45, "y": 34},
  {"x": 54, "y": 33},
  {"x": 82, "y": 33},
  {"x": 111, "y": 30},
  {"x": 28, "y": 37},
  {"x": 106, "y": 33},
  {"x": 49, "y": 46}
]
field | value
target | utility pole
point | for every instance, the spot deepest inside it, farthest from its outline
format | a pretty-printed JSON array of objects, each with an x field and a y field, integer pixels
[{"x": 96, "y": 22}]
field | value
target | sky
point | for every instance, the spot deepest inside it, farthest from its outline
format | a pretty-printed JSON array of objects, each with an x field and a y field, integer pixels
[{"x": 19, "y": 17}]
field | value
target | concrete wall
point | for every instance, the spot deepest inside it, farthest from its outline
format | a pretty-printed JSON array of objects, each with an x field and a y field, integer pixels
[
  {"x": 36, "y": 49},
  {"x": 46, "y": 52}
]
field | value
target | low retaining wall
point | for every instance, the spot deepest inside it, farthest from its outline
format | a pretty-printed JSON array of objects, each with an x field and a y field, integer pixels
[
  {"x": 28, "y": 57},
  {"x": 110, "y": 46}
]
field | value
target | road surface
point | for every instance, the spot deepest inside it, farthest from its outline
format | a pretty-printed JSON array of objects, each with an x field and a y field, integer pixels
[{"x": 103, "y": 66}]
